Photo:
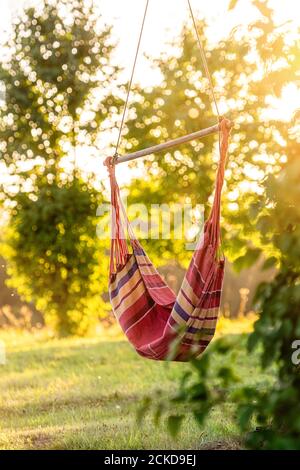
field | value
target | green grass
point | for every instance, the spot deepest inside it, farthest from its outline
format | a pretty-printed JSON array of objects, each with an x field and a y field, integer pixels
[{"x": 84, "y": 393}]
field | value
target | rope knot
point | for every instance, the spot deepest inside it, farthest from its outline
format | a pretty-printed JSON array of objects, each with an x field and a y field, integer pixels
[
  {"x": 109, "y": 162},
  {"x": 225, "y": 124}
]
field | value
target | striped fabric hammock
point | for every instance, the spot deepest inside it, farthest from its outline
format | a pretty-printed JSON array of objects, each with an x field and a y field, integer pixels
[{"x": 159, "y": 324}]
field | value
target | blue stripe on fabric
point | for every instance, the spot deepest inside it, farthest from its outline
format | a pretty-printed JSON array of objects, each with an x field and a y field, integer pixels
[
  {"x": 180, "y": 311},
  {"x": 139, "y": 251},
  {"x": 203, "y": 331},
  {"x": 123, "y": 281}
]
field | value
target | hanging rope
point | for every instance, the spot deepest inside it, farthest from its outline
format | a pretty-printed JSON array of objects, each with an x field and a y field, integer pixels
[
  {"x": 203, "y": 58},
  {"x": 131, "y": 79}
]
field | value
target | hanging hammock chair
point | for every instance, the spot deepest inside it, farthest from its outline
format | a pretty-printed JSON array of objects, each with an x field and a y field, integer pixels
[{"x": 159, "y": 324}]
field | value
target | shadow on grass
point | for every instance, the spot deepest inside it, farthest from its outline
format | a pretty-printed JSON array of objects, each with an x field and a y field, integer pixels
[
  {"x": 82, "y": 394},
  {"x": 72, "y": 403}
]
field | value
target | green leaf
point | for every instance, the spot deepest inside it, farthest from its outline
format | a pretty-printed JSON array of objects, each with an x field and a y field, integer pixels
[
  {"x": 252, "y": 341},
  {"x": 246, "y": 261},
  {"x": 201, "y": 364},
  {"x": 158, "y": 414},
  {"x": 269, "y": 263},
  {"x": 174, "y": 423},
  {"x": 227, "y": 375},
  {"x": 143, "y": 409},
  {"x": 245, "y": 416}
]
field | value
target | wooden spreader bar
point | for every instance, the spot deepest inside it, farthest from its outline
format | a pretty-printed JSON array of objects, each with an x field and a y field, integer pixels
[{"x": 167, "y": 145}]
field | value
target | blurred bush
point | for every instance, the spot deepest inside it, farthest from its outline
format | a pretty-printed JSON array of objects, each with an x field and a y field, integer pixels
[{"x": 56, "y": 73}]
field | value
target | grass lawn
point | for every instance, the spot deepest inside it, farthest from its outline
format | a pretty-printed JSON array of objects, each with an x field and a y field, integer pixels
[{"x": 83, "y": 394}]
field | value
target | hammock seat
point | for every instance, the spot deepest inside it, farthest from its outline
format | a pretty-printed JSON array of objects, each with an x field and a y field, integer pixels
[{"x": 159, "y": 324}]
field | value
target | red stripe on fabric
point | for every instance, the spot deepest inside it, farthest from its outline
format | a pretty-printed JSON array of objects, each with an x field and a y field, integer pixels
[
  {"x": 200, "y": 342},
  {"x": 186, "y": 353},
  {"x": 187, "y": 298},
  {"x": 128, "y": 293},
  {"x": 139, "y": 322},
  {"x": 154, "y": 281},
  {"x": 172, "y": 321},
  {"x": 206, "y": 318},
  {"x": 133, "y": 313},
  {"x": 211, "y": 301},
  {"x": 162, "y": 296},
  {"x": 194, "y": 275}
]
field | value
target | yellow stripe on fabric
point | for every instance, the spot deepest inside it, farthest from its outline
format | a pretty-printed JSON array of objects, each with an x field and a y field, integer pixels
[
  {"x": 203, "y": 313},
  {"x": 184, "y": 304},
  {"x": 130, "y": 300},
  {"x": 210, "y": 324},
  {"x": 148, "y": 270},
  {"x": 198, "y": 337},
  {"x": 122, "y": 273},
  {"x": 179, "y": 320},
  {"x": 143, "y": 259},
  {"x": 126, "y": 288},
  {"x": 188, "y": 290}
]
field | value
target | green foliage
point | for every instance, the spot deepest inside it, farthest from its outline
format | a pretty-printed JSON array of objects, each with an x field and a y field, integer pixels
[
  {"x": 279, "y": 323},
  {"x": 174, "y": 422},
  {"x": 246, "y": 67},
  {"x": 244, "y": 262},
  {"x": 82, "y": 384},
  {"x": 269, "y": 216},
  {"x": 202, "y": 388},
  {"x": 57, "y": 58},
  {"x": 54, "y": 257},
  {"x": 57, "y": 63}
]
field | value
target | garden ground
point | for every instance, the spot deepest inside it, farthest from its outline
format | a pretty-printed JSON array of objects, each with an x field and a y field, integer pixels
[{"x": 84, "y": 394}]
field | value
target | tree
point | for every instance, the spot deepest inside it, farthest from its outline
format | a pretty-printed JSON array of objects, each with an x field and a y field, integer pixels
[
  {"x": 269, "y": 414},
  {"x": 56, "y": 74},
  {"x": 244, "y": 78},
  {"x": 54, "y": 255},
  {"x": 277, "y": 330}
]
